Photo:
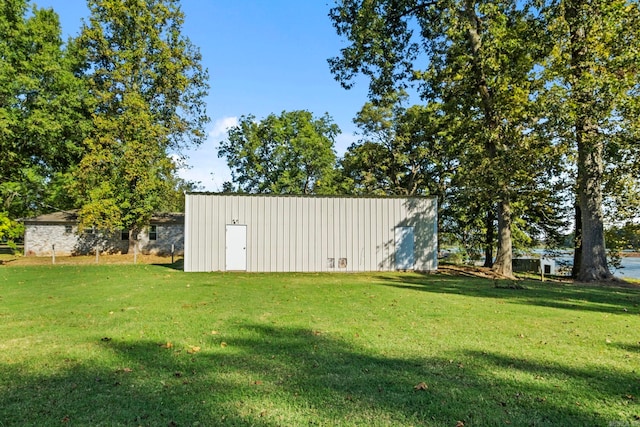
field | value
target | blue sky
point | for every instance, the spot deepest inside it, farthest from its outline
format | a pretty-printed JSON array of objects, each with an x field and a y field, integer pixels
[{"x": 263, "y": 57}]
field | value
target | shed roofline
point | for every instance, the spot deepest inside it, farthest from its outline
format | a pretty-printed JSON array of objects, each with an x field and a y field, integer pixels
[{"x": 310, "y": 196}]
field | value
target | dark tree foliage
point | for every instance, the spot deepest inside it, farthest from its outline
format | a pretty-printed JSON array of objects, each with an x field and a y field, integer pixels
[
  {"x": 478, "y": 59},
  {"x": 43, "y": 114}
]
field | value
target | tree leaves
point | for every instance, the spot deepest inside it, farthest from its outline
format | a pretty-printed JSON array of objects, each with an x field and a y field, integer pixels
[
  {"x": 148, "y": 86},
  {"x": 287, "y": 154},
  {"x": 193, "y": 349},
  {"x": 43, "y": 114},
  {"x": 520, "y": 79}
]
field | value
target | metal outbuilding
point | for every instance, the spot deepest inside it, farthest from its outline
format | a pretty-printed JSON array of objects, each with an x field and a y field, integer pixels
[{"x": 265, "y": 233}]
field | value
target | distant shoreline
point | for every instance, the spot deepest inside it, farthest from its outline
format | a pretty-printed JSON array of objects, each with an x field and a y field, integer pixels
[
  {"x": 630, "y": 254},
  {"x": 566, "y": 254}
]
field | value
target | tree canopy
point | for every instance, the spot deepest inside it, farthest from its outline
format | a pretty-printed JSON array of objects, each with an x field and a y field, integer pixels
[
  {"x": 478, "y": 59},
  {"x": 403, "y": 151},
  {"x": 287, "y": 154},
  {"x": 147, "y": 86},
  {"x": 594, "y": 87},
  {"x": 507, "y": 72},
  {"x": 43, "y": 115},
  {"x": 527, "y": 109}
]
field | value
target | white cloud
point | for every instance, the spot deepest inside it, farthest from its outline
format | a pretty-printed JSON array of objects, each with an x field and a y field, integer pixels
[
  {"x": 210, "y": 176},
  {"x": 221, "y": 126},
  {"x": 202, "y": 163}
]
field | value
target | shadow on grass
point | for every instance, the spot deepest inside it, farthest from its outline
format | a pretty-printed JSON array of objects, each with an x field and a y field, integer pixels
[
  {"x": 270, "y": 376},
  {"x": 633, "y": 348},
  {"x": 176, "y": 265},
  {"x": 606, "y": 299}
]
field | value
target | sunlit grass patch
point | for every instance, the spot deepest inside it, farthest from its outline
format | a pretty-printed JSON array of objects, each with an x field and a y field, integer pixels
[{"x": 150, "y": 345}]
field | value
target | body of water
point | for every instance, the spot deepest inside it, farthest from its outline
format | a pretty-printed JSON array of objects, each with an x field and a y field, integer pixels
[
  {"x": 630, "y": 265},
  {"x": 631, "y": 268}
]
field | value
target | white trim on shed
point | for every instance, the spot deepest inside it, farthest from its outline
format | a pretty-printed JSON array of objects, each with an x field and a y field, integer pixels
[{"x": 309, "y": 234}]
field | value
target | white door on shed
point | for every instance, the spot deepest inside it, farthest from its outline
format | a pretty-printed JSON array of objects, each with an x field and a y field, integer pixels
[
  {"x": 404, "y": 248},
  {"x": 236, "y": 248}
]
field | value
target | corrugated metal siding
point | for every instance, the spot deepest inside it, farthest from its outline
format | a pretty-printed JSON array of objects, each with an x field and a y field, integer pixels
[{"x": 291, "y": 233}]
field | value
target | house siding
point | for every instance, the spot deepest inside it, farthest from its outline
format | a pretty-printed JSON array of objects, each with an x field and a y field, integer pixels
[
  {"x": 41, "y": 238},
  {"x": 167, "y": 235}
]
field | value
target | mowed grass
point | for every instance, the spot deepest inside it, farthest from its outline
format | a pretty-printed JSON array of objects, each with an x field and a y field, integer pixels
[{"x": 151, "y": 345}]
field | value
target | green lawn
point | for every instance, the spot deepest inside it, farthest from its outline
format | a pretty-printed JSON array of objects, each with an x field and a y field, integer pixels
[{"x": 152, "y": 345}]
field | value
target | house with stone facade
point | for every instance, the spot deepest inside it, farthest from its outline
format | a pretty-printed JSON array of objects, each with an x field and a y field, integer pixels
[{"x": 58, "y": 231}]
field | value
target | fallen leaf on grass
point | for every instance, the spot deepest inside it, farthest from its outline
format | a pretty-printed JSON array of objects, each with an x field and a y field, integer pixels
[
  {"x": 459, "y": 424},
  {"x": 66, "y": 419},
  {"x": 193, "y": 349},
  {"x": 214, "y": 332},
  {"x": 166, "y": 345},
  {"x": 420, "y": 386},
  {"x": 105, "y": 339},
  {"x": 223, "y": 344}
]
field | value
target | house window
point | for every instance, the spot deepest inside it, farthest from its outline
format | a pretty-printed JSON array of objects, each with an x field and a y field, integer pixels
[
  {"x": 124, "y": 235},
  {"x": 68, "y": 229},
  {"x": 153, "y": 232}
]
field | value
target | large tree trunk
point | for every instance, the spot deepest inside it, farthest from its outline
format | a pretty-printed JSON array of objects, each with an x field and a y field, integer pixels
[
  {"x": 133, "y": 241},
  {"x": 592, "y": 257},
  {"x": 504, "y": 255},
  {"x": 503, "y": 263},
  {"x": 593, "y": 260}
]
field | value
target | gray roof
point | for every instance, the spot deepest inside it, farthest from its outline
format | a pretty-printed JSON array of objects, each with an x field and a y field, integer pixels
[
  {"x": 62, "y": 217},
  {"x": 168, "y": 218},
  {"x": 71, "y": 217}
]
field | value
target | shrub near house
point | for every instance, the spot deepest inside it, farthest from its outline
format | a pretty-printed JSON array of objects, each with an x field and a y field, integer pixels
[{"x": 59, "y": 231}]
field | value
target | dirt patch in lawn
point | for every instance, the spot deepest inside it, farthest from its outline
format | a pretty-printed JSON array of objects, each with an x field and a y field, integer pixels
[
  {"x": 13, "y": 260},
  {"x": 487, "y": 273}
]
